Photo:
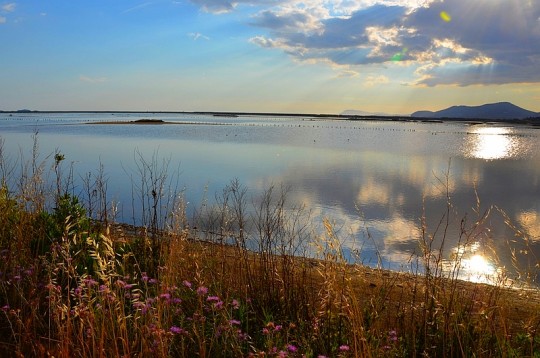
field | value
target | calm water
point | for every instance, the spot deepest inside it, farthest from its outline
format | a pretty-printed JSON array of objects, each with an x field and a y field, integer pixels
[{"x": 375, "y": 180}]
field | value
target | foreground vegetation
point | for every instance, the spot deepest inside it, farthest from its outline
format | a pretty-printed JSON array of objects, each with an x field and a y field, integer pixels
[{"x": 73, "y": 283}]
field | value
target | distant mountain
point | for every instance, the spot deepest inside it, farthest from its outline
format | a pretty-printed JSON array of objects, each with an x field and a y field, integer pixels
[{"x": 501, "y": 110}]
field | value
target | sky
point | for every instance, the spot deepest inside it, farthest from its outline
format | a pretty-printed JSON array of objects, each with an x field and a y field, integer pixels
[{"x": 310, "y": 56}]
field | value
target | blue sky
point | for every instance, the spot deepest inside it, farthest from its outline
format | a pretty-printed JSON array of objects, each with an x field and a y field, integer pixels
[{"x": 316, "y": 56}]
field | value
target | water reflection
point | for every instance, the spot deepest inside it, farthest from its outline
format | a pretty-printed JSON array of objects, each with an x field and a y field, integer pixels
[
  {"x": 473, "y": 263},
  {"x": 530, "y": 221},
  {"x": 385, "y": 185},
  {"x": 491, "y": 143}
]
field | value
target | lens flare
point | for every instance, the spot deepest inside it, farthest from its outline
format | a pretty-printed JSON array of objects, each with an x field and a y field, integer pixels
[
  {"x": 445, "y": 16},
  {"x": 399, "y": 56}
]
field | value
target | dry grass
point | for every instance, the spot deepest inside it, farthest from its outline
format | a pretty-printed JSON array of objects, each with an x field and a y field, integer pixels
[{"x": 80, "y": 285}]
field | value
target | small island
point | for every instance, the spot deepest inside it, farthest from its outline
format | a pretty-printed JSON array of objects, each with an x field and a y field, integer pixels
[
  {"x": 148, "y": 121},
  {"x": 138, "y": 121}
]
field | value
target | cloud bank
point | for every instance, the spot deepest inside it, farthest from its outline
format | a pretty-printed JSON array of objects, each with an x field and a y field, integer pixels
[{"x": 452, "y": 42}]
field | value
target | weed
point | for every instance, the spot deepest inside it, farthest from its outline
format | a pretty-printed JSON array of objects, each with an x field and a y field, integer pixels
[{"x": 73, "y": 283}]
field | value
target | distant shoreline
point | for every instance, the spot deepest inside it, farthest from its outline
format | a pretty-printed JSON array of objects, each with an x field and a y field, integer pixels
[{"x": 535, "y": 121}]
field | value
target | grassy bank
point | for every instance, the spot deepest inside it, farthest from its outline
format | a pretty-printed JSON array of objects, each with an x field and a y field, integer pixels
[{"x": 74, "y": 283}]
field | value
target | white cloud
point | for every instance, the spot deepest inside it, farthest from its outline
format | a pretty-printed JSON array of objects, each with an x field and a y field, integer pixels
[
  {"x": 373, "y": 80},
  {"x": 6, "y": 8},
  {"x": 291, "y": 20},
  {"x": 485, "y": 41},
  {"x": 277, "y": 43},
  {"x": 224, "y": 6},
  {"x": 87, "y": 79},
  {"x": 197, "y": 35},
  {"x": 348, "y": 73},
  {"x": 10, "y": 7}
]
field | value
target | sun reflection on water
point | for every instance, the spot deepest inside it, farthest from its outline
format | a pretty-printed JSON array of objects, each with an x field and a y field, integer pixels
[
  {"x": 479, "y": 269},
  {"x": 491, "y": 143},
  {"x": 471, "y": 263}
]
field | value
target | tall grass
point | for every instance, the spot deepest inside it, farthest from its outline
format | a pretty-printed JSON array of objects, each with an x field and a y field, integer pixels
[{"x": 235, "y": 281}]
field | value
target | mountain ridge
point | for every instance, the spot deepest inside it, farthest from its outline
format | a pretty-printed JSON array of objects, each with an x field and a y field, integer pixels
[{"x": 494, "y": 111}]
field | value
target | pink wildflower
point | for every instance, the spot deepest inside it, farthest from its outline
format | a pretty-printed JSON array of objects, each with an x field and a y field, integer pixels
[
  {"x": 201, "y": 291},
  {"x": 90, "y": 282},
  {"x": 218, "y": 305},
  {"x": 176, "y": 330},
  {"x": 242, "y": 335},
  {"x": 292, "y": 348}
]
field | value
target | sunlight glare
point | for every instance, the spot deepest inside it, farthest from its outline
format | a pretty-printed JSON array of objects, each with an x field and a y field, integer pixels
[
  {"x": 490, "y": 143},
  {"x": 472, "y": 265},
  {"x": 478, "y": 269}
]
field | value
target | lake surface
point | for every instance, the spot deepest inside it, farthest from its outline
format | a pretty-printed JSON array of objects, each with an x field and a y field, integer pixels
[{"x": 383, "y": 184}]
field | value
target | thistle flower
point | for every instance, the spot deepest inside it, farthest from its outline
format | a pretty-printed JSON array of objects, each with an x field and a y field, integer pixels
[{"x": 201, "y": 291}]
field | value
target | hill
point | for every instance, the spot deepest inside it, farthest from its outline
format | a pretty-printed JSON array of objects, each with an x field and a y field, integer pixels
[{"x": 501, "y": 110}]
